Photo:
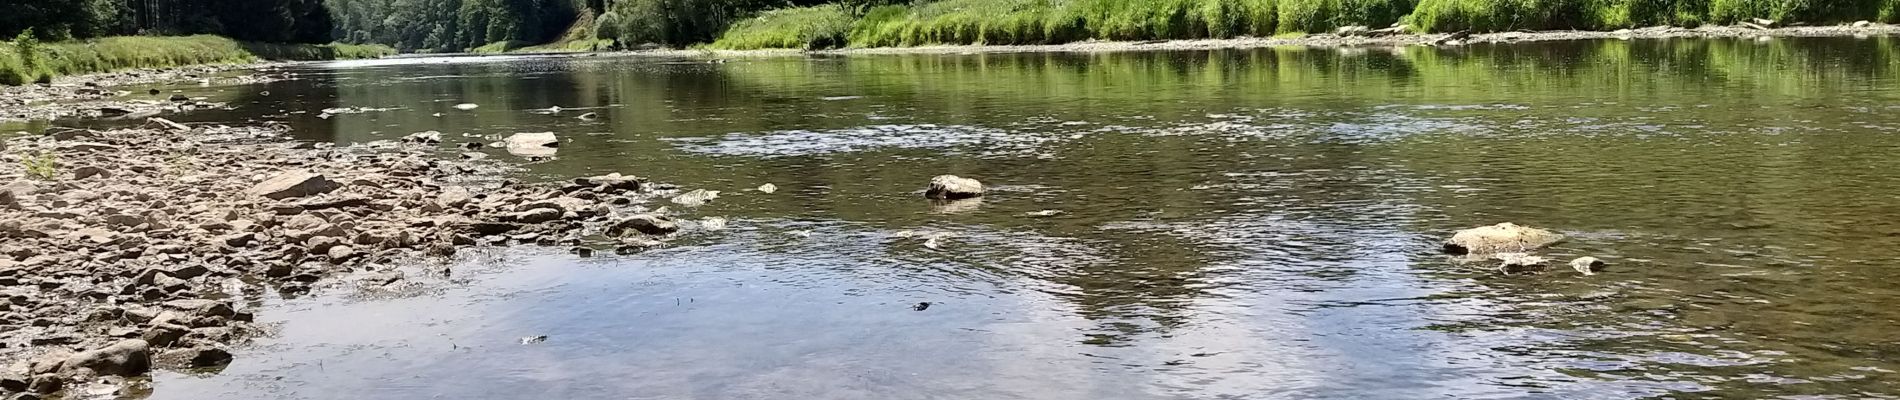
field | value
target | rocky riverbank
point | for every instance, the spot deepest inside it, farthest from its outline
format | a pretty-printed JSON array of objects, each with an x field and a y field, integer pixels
[
  {"x": 130, "y": 249},
  {"x": 125, "y": 94}
]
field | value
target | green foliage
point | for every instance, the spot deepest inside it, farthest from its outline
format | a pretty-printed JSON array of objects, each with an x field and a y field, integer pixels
[
  {"x": 1056, "y": 21},
  {"x": 608, "y": 26},
  {"x": 452, "y": 25},
  {"x": 682, "y": 22},
  {"x": 817, "y": 27},
  {"x": 43, "y": 166},
  {"x": 1495, "y": 15}
]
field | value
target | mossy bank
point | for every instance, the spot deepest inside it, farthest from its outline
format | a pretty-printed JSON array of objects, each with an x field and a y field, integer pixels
[{"x": 25, "y": 60}]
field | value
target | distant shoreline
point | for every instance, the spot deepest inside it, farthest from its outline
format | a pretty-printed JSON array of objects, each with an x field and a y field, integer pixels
[{"x": 1315, "y": 40}]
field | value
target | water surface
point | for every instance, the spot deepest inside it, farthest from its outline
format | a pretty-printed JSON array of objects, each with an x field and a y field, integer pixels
[{"x": 1234, "y": 224}]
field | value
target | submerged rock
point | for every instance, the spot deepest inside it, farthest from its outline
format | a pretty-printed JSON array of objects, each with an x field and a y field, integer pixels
[
  {"x": 1500, "y": 238},
  {"x": 428, "y": 137},
  {"x": 532, "y": 144},
  {"x": 1519, "y": 262},
  {"x": 1587, "y": 265},
  {"x": 695, "y": 198},
  {"x": 643, "y": 223},
  {"x": 952, "y": 187}
]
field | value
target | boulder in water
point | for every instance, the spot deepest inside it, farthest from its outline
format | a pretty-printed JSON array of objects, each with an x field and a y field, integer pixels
[
  {"x": 952, "y": 187},
  {"x": 1587, "y": 265},
  {"x": 1500, "y": 238}
]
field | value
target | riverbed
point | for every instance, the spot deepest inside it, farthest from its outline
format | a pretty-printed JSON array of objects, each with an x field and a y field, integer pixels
[{"x": 1242, "y": 223}]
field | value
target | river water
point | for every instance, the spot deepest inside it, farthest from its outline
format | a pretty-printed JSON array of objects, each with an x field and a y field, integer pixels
[{"x": 1232, "y": 224}]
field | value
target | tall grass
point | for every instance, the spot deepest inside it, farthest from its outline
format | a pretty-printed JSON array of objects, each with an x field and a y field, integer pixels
[
  {"x": 1059, "y": 21},
  {"x": 816, "y": 27},
  {"x": 24, "y": 61}
]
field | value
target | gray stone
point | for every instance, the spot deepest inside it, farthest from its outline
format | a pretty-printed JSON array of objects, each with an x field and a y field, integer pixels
[
  {"x": 164, "y": 334},
  {"x": 89, "y": 171},
  {"x": 293, "y": 184},
  {"x": 952, "y": 187},
  {"x": 130, "y": 357},
  {"x": 1587, "y": 265},
  {"x": 1501, "y": 238},
  {"x": 454, "y": 197},
  {"x": 341, "y": 254},
  {"x": 532, "y": 139}
]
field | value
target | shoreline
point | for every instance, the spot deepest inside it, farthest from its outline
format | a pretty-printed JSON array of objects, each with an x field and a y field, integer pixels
[
  {"x": 1323, "y": 40},
  {"x": 93, "y": 95}
]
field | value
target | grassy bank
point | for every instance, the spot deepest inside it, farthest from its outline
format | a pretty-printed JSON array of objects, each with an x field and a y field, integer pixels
[
  {"x": 1061, "y": 21},
  {"x": 25, "y": 61}
]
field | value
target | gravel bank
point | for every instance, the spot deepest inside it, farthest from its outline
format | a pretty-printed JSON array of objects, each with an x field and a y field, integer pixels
[{"x": 126, "y": 250}]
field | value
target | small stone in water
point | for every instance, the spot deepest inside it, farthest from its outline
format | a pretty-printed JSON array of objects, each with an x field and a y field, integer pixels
[{"x": 921, "y": 306}]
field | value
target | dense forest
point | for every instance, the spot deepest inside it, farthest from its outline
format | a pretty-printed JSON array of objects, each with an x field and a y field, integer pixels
[
  {"x": 280, "y": 21},
  {"x": 453, "y": 25}
]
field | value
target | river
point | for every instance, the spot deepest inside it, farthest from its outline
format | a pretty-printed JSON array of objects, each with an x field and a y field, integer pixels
[{"x": 1258, "y": 223}]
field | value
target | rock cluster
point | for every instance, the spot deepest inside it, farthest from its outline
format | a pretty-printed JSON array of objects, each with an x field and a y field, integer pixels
[
  {"x": 130, "y": 254},
  {"x": 1509, "y": 244}
]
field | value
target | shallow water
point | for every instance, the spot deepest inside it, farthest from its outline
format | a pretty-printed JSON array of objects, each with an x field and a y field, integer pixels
[{"x": 1234, "y": 224}]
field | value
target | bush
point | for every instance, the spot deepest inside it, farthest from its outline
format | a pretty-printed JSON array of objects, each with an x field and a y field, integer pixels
[
  {"x": 607, "y": 27},
  {"x": 817, "y": 27}
]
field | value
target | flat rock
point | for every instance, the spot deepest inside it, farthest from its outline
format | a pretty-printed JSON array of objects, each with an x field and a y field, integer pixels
[
  {"x": 613, "y": 182},
  {"x": 536, "y": 215},
  {"x": 1501, "y": 238},
  {"x": 532, "y": 142},
  {"x": 293, "y": 184},
  {"x": 87, "y": 147}
]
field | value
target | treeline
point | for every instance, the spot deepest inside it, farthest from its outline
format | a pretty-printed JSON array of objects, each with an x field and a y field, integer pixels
[
  {"x": 277, "y": 21},
  {"x": 453, "y": 25},
  {"x": 1059, "y": 21}
]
